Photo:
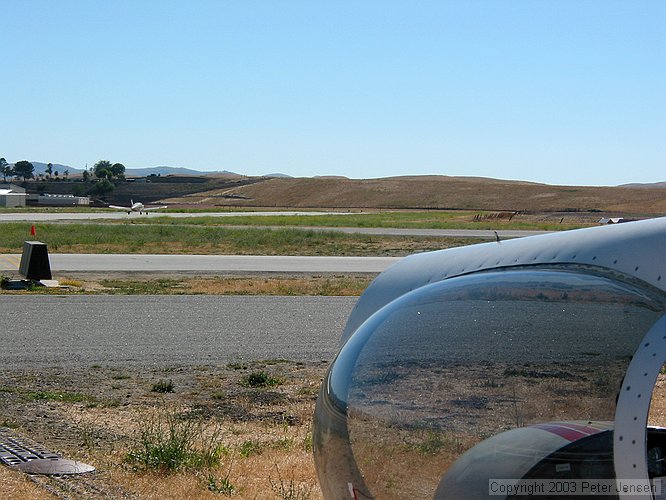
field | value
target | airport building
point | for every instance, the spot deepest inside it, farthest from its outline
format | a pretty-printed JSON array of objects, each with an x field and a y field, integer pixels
[
  {"x": 58, "y": 200},
  {"x": 12, "y": 196}
]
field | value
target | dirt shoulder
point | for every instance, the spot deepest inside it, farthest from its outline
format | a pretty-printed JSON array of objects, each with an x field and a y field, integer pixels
[
  {"x": 99, "y": 415},
  {"x": 183, "y": 283}
]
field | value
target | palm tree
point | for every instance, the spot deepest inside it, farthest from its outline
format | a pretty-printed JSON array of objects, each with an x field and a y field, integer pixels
[{"x": 3, "y": 168}]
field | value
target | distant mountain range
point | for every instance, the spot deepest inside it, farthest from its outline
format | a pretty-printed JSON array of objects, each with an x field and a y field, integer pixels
[
  {"x": 639, "y": 185},
  {"x": 164, "y": 170},
  {"x": 40, "y": 168}
]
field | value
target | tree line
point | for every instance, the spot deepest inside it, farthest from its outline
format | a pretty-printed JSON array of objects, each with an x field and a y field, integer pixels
[
  {"x": 103, "y": 169},
  {"x": 103, "y": 173},
  {"x": 22, "y": 168}
]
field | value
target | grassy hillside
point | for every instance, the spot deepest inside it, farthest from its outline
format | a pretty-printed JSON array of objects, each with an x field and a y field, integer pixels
[
  {"x": 415, "y": 192},
  {"x": 432, "y": 192}
]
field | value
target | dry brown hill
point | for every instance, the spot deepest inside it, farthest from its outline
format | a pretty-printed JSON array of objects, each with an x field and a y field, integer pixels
[{"x": 433, "y": 192}]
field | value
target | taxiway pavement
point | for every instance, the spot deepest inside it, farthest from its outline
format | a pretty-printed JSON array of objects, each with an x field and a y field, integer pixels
[
  {"x": 167, "y": 331},
  {"x": 205, "y": 263},
  {"x": 115, "y": 215}
]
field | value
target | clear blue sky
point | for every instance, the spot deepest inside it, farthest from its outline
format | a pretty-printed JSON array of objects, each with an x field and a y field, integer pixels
[{"x": 555, "y": 91}]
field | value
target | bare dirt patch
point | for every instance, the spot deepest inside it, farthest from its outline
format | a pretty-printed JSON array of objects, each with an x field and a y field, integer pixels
[
  {"x": 263, "y": 433},
  {"x": 182, "y": 284}
]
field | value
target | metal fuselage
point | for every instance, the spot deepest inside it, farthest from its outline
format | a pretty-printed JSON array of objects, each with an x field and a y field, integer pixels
[{"x": 136, "y": 207}]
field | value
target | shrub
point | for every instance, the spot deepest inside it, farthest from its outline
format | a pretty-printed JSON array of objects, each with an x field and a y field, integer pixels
[
  {"x": 163, "y": 386},
  {"x": 260, "y": 379},
  {"x": 169, "y": 444}
]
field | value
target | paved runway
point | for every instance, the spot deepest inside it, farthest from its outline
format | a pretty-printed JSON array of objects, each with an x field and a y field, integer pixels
[
  {"x": 162, "y": 331},
  {"x": 205, "y": 263},
  {"x": 114, "y": 215}
]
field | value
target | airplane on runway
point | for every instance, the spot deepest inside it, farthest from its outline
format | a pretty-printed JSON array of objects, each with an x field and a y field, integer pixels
[{"x": 136, "y": 207}]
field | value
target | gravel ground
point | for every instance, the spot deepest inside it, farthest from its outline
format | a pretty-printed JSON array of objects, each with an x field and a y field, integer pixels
[
  {"x": 79, "y": 373},
  {"x": 161, "y": 331}
]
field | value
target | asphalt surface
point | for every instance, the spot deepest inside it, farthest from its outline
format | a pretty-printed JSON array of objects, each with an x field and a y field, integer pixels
[
  {"x": 205, "y": 263},
  {"x": 167, "y": 331},
  {"x": 115, "y": 215}
]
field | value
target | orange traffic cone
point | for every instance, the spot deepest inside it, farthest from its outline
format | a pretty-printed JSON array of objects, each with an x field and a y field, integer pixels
[{"x": 32, "y": 230}]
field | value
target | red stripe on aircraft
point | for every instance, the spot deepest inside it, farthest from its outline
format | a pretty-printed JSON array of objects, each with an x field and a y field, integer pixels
[{"x": 568, "y": 431}]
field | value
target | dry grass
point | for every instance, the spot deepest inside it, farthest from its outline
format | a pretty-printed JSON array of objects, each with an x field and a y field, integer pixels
[
  {"x": 179, "y": 285},
  {"x": 17, "y": 485},
  {"x": 264, "y": 434},
  {"x": 276, "y": 423},
  {"x": 439, "y": 192},
  {"x": 657, "y": 415},
  {"x": 336, "y": 285}
]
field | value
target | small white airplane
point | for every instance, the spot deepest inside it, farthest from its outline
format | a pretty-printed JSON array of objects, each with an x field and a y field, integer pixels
[{"x": 136, "y": 207}]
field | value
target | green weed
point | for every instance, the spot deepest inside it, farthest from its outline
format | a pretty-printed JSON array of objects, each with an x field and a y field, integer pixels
[
  {"x": 250, "y": 447},
  {"x": 168, "y": 444},
  {"x": 185, "y": 238},
  {"x": 260, "y": 379},
  {"x": 163, "y": 386},
  {"x": 289, "y": 490},
  {"x": 62, "y": 397},
  {"x": 220, "y": 485}
]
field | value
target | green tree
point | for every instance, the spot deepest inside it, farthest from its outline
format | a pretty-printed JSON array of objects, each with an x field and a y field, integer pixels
[
  {"x": 86, "y": 175},
  {"x": 102, "y": 187},
  {"x": 49, "y": 170},
  {"x": 24, "y": 169},
  {"x": 102, "y": 169},
  {"x": 118, "y": 170},
  {"x": 65, "y": 174},
  {"x": 5, "y": 169}
]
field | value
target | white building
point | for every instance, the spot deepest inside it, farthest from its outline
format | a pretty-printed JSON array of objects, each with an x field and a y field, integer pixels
[
  {"x": 62, "y": 200},
  {"x": 12, "y": 196}
]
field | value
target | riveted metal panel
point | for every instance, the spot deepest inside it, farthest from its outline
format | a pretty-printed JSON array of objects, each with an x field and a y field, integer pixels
[
  {"x": 635, "y": 248},
  {"x": 633, "y": 406}
]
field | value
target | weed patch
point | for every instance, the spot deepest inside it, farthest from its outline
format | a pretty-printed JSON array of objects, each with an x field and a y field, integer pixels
[
  {"x": 170, "y": 444},
  {"x": 260, "y": 379},
  {"x": 62, "y": 397},
  {"x": 250, "y": 447},
  {"x": 289, "y": 490},
  {"x": 163, "y": 386},
  {"x": 220, "y": 485}
]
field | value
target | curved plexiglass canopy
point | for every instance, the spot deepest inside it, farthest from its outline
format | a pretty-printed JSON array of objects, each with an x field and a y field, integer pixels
[{"x": 498, "y": 374}]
